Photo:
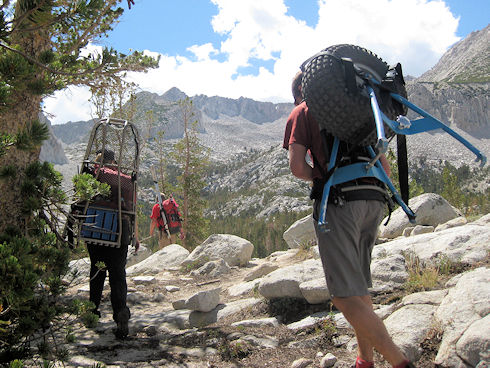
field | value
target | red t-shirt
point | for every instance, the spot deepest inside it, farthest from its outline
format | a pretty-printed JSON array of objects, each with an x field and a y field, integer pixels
[
  {"x": 301, "y": 128},
  {"x": 155, "y": 214}
]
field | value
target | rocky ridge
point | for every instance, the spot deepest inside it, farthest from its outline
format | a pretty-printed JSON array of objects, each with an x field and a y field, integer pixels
[
  {"x": 455, "y": 91},
  {"x": 465, "y": 62}
]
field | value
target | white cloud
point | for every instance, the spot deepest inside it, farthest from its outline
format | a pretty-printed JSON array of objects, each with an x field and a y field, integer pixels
[
  {"x": 413, "y": 32},
  {"x": 70, "y": 104},
  {"x": 202, "y": 52}
]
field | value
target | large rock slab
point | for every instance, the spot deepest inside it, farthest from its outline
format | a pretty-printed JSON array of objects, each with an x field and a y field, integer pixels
[
  {"x": 390, "y": 269},
  {"x": 203, "y": 301},
  {"x": 300, "y": 232},
  {"x": 243, "y": 288},
  {"x": 212, "y": 269},
  {"x": 408, "y": 326},
  {"x": 135, "y": 257},
  {"x": 167, "y": 257},
  {"x": 260, "y": 271},
  {"x": 235, "y": 251},
  {"x": 315, "y": 291},
  {"x": 467, "y": 244},
  {"x": 285, "y": 282},
  {"x": 463, "y": 314},
  {"x": 200, "y": 319},
  {"x": 474, "y": 346},
  {"x": 431, "y": 209},
  {"x": 78, "y": 271}
]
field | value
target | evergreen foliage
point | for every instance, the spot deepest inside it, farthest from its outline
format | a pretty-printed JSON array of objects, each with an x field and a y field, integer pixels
[
  {"x": 458, "y": 185},
  {"x": 192, "y": 159},
  {"x": 32, "y": 263},
  {"x": 42, "y": 50},
  {"x": 264, "y": 233}
]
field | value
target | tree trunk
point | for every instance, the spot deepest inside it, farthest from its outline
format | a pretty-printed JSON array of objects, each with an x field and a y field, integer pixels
[{"x": 23, "y": 108}]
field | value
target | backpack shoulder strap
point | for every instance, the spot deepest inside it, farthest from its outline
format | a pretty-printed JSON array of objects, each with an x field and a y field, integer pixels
[{"x": 402, "y": 158}]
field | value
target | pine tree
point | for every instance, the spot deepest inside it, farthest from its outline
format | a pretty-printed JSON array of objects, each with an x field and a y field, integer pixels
[
  {"x": 41, "y": 51},
  {"x": 192, "y": 158},
  {"x": 451, "y": 188}
]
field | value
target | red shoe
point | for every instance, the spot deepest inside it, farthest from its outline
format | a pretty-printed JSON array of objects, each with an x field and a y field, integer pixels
[{"x": 361, "y": 363}]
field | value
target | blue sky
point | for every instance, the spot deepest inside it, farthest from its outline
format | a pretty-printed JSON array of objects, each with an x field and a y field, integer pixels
[{"x": 252, "y": 48}]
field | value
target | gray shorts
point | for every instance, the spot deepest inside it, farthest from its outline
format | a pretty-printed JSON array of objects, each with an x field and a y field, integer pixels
[{"x": 345, "y": 249}]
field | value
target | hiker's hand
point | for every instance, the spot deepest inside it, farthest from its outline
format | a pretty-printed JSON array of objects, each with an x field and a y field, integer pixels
[
  {"x": 130, "y": 2},
  {"x": 182, "y": 235}
]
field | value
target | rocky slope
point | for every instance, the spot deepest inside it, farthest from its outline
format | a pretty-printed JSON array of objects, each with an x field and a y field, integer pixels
[
  {"x": 456, "y": 89},
  {"x": 52, "y": 150},
  {"x": 234, "y": 311},
  {"x": 465, "y": 62}
]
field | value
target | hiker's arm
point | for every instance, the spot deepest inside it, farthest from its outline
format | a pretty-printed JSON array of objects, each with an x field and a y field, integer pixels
[
  {"x": 297, "y": 163},
  {"x": 152, "y": 226},
  {"x": 386, "y": 165}
]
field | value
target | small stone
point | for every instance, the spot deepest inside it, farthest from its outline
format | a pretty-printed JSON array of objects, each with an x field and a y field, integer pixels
[
  {"x": 144, "y": 280},
  {"x": 301, "y": 363},
  {"x": 328, "y": 360}
]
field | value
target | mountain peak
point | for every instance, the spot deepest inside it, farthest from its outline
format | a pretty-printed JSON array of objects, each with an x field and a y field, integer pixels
[
  {"x": 174, "y": 94},
  {"x": 466, "y": 62}
]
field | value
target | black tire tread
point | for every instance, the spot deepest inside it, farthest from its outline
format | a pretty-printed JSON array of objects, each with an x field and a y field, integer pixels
[{"x": 343, "y": 113}]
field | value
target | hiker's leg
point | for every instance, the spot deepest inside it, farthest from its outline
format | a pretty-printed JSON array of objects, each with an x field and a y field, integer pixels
[
  {"x": 97, "y": 276},
  {"x": 364, "y": 346},
  {"x": 163, "y": 239},
  {"x": 117, "y": 278},
  {"x": 369, "y": 328}
]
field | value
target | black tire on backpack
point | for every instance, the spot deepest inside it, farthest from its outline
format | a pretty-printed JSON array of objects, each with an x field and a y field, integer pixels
[{"x": 343, "y": 113}]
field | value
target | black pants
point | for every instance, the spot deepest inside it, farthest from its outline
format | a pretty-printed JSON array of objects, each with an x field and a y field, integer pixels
[{"x": 115, "y": 261}]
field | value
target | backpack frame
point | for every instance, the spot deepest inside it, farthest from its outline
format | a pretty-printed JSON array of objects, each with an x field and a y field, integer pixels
[
  {"x": 108, "y": 221},
  {"x": 359, "y": 82}
]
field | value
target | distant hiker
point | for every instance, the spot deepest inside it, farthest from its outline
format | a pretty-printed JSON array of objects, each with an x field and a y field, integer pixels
[
  {"x": 172, "y": 225},
  {"x": 354, "y": 213},
  {"x": 114, "y": 258}
]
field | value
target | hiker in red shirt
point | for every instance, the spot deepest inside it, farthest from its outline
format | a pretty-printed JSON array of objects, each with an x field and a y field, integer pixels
[
  {"x": 168, "y": 233},
  {"x": 346, "y": 249}
]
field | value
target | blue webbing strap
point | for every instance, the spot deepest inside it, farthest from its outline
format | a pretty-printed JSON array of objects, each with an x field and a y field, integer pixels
[{"x": 352, "y": 172}]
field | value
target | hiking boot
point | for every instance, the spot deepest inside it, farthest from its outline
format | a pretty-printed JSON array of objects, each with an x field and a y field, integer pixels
[
  {"x": 122, "y": 318},
  {"x": 96, "y": 312},
  {"x": 122, "y": 330}
]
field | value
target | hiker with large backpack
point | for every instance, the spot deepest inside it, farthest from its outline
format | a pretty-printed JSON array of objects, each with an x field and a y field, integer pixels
[
  {"x": 114, "y": 258},
  {"x": 107, "y": 224},
  {"x": 355, "y": 210},
  {"x": 165, "y": 216}
]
